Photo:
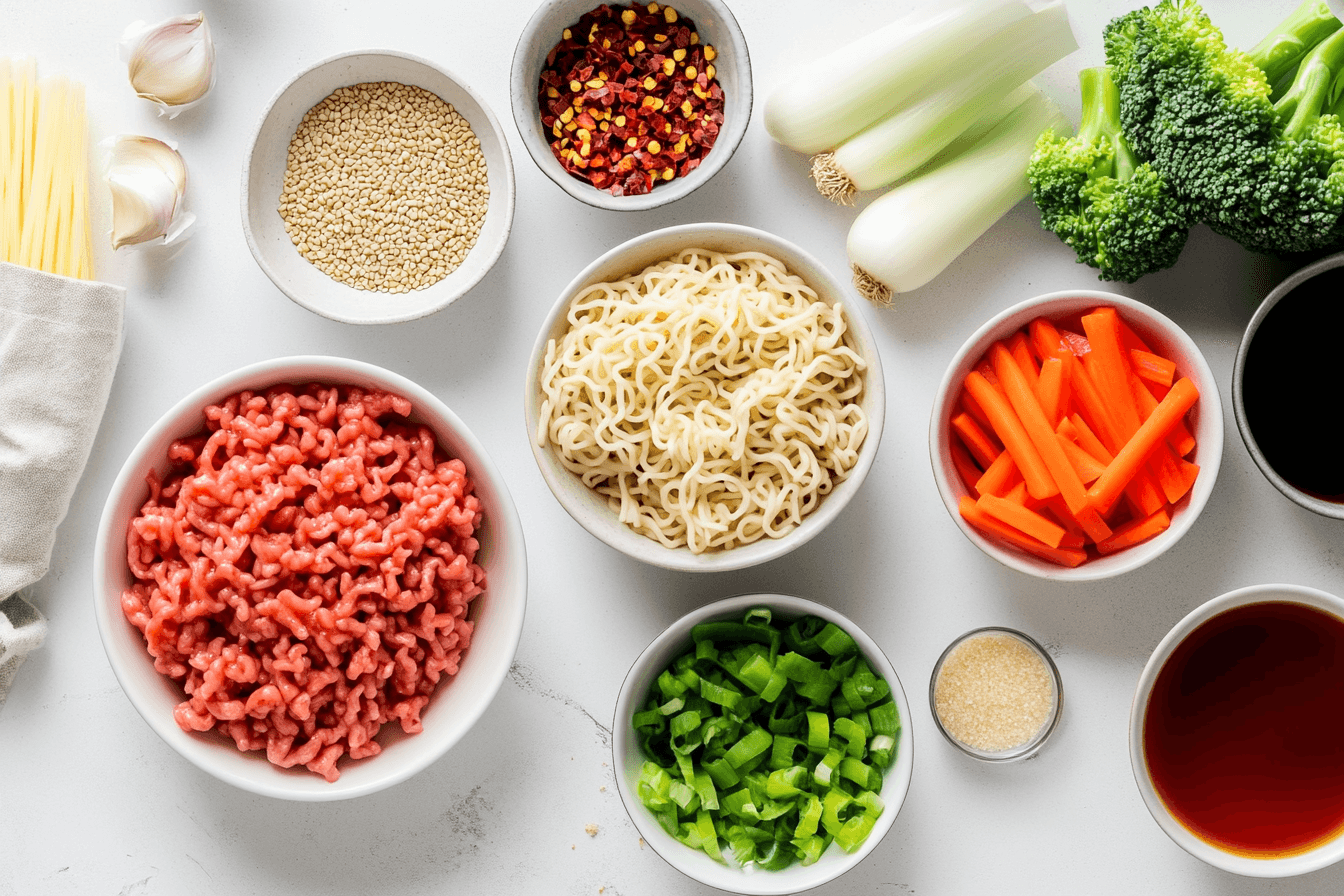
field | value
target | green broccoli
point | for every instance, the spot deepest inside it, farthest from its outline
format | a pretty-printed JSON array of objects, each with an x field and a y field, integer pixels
[
  {"x": 1119, "y": 215},
  {"x": 1202, "y": 114}
]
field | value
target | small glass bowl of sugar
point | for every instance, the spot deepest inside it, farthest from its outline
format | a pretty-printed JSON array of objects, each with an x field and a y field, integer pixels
[{"x": 996, "y": 695}]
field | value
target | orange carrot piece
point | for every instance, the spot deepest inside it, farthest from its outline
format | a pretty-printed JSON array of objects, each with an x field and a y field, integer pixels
[
  {"x": 972, "y": 407},
  {"x": 1153, "y": 368},
  {"x": 1180, "y": 439},
  {"x": 1045, "y": 339},
  {"x": 1050, "y": 389},
  {"x": 1087, "y": 466},
  {"x": 970, "y": 474},
  {"x": 1108, "y": 365},
  {"x": 1018, "y": 495},
  {"x": 1021, "y": 352},
  {"x": 1027, "y": 521},
  {"x": 1129, "y": 459},
  {"x": 1043, "y": 438},
  {"x": 973, "y": 437},
  {"x": 1136, "y": 531},
  {"x": 1056, "y": 510},
  {"x": 1131, "y": 340},
  {"x": 1014, "y": 437},
  {"x": 1088, "y": 441},
  {"x": 997, "y": 531},
  {"x": 999, "y": 477}
]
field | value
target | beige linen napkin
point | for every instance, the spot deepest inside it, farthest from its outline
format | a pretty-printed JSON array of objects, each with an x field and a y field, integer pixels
[{"x": 59, "y": 343}]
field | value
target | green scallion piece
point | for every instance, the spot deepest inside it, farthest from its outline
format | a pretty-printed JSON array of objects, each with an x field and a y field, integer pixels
[{"x": 766, "y": 741}]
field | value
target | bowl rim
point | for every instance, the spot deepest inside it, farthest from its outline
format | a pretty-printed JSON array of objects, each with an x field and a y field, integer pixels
[
  {"x": 489, "y": 259},
  {"x": 1330, "y": 509},
  {"x": 729, "y": 138},
  {"x": 753, "y": 883},
  {"x": 1037, "y": 742},
  {"x": 111, "y": 624},
  {"x": 681, "y": 559},
  {"x": 1210, "y": 446},
  {"x": 1327, "y": 853}
]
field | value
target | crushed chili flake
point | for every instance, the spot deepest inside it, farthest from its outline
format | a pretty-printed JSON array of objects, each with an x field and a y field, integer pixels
[{"x": 629, "y": 98}]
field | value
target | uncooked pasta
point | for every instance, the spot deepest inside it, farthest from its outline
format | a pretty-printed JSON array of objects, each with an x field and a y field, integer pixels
[{"x": 712, "y": 398}]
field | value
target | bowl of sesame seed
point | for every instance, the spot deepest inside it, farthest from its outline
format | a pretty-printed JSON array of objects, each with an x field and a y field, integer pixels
[
  {"x": 378, "y": 189},
  {"x": 630, "y": 107}
]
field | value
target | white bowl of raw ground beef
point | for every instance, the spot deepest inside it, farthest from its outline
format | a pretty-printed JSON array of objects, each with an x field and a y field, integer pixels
[{"x": 331, "y": 578}]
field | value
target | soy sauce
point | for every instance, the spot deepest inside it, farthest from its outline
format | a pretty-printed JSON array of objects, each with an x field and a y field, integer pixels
[
  {"x": 1243, "y": 734},
  {"x": 1288, "y": 391}
]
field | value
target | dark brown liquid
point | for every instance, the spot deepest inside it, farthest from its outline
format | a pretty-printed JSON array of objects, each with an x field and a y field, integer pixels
[
  {"x": 1243, "y": 734},
  {"x": 1287, "y": 386}
]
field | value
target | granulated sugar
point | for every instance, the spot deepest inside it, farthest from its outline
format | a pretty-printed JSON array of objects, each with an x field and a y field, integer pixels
[{"x": 993, "y": 693}]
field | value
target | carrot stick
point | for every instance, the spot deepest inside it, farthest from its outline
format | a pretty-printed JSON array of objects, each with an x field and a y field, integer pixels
[
  {"x": 1018, "y": 495},
  {"x": 1152, "y": 367},
  {"x": 1180, "y": 439},
  {"x": 1046, "y": 339},
  {"x": 1131, "y": 340},
  {"x": 1021, "y": 353},
  {"x": 1087, "y": 466},
  {"x": 1027, "y": 521},
  {"x": 1050, "y": 389},
  {"x": 1043, "y": 438},
  {"x": 1135, "y": 531},
  {"x": 970, "y": 474},
  {"x": 1108, "y": 365},
  {"x": 997, "y": 531},
  {"x": 1088, "y": 441},
  {"x": 972, "y": 407},
  {"x": 999, "y": 477},
  {"x": 1056, "y": 510},
  {"x": 1129, "y": 459},
  {"x": 973, "y": 437},
  {"x": 1014, "y": 437}
]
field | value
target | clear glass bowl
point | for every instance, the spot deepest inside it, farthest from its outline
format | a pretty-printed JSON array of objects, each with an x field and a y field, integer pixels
[{"x": 1031, "y": 745}]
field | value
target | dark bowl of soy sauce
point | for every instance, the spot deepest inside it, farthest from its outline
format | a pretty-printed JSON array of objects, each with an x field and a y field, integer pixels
[{"x": 1284, "y": 392}]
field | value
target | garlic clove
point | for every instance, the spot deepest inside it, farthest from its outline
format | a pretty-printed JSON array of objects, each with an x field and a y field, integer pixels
[
  {"x": 172, "y": 63},
  {"x": 148, "y": 181}
]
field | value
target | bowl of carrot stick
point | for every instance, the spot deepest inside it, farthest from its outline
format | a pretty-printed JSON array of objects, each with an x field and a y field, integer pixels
[{"x": 1077, "y": 435}]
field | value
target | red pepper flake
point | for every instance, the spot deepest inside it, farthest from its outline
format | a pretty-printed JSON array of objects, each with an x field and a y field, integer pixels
[{"x": 617, "y": 118}]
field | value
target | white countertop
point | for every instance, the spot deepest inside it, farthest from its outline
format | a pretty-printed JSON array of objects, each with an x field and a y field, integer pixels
[{"x": 91, "y": 801}]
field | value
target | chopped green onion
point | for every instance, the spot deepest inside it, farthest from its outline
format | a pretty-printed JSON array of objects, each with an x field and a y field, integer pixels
[{"x": 763, "y": 758}]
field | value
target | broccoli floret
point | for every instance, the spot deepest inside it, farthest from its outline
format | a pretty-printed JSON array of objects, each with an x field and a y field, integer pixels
[
  {"x": 1118, "y": 215},
  {"x": 1201, "y": 113}
]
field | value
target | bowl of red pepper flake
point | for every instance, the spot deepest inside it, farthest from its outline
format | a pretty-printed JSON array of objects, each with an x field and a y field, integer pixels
[{"x": 631, "y": 107}]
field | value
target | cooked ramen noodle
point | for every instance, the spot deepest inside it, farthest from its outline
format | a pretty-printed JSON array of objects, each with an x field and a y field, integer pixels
[{"x": 712, "y": 398}]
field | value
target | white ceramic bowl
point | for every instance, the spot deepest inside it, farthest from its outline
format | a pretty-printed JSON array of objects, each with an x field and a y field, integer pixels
[
  {"x": 1332, "y": 509},
  {"x": 628, "y": 756},
  {"x": 264, "y": 173},
  {"x": 590, "y": 509},
  {"x": 716, "y": 26},
  {"x": 455, "y": 705},
  {"x": 1327, "y": 853},
  {"x": 1165, "y": 338}
]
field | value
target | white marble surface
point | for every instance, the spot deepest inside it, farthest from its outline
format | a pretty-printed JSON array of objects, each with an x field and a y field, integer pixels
[{"x": 91, "y": 801}]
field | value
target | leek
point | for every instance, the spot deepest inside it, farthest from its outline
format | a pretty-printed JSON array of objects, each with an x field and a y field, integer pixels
[
  {"x": 839, "y": 94},
  {"x": 897, "y": 145},
  {"x": 911, "y": 234}
]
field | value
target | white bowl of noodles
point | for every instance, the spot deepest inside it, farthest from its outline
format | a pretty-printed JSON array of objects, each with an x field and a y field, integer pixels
[{"x": 728, "y": 450}]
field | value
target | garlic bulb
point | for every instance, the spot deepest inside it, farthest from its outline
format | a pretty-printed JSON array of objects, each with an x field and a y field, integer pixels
[
  {"x": 172, "y": 63},
  {"x": 148, "y": 180}
]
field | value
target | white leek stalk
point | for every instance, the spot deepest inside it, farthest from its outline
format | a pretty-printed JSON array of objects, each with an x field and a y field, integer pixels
[
  {"x": 832, "y": 98},
  {"x": 909, "y": 235},
  {"x": 148, "y": 181},
  {"x": 171, "y": 64},
  {"x": 894, "y": 147}
]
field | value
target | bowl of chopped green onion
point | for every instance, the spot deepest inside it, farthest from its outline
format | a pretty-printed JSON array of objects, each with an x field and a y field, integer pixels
[{"x": 762, "y": 744}]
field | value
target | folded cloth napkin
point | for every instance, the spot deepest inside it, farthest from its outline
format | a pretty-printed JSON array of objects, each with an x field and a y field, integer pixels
[{"x": 59, "y": 343}]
